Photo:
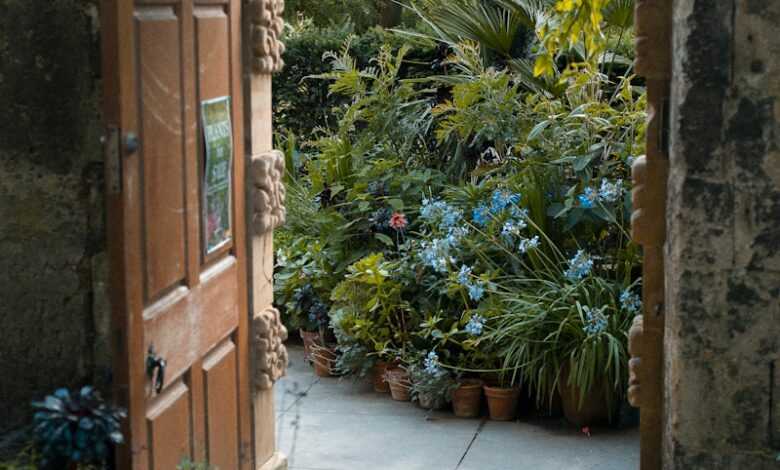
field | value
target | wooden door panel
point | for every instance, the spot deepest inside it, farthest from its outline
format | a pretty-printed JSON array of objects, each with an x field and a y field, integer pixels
[
  {"x": 187, "y": 323},
  {"x": 221, "y": 403},
  {"x": 168, "y": 421},
  {"x": 162, "y": 156},
  {"x": 213, "y": 66}
]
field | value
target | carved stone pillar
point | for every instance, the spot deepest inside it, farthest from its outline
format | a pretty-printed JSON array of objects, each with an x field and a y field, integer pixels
[
  {"x": 263, "y": 27},
  {"x": 653, "y": 23}
]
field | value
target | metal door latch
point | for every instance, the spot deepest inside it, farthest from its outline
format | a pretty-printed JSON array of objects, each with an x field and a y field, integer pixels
[{"x": 155, "y": 369}]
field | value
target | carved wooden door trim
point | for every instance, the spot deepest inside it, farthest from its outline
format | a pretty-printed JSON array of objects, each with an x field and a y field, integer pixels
[
  {"x": 266, "y": 194},
  {"x": 653, "y": 25}
]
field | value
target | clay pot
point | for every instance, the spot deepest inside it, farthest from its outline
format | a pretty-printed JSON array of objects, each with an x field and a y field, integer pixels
[
  {"x": 398, "y": 380},
  {"x": 324, "y": 358},
  {"x": 467, "y": 398},
  {"x": 502, "y": 402},
  {"x": 309, "y": 338},
  {"x": 594, "y": 409},
  {"x": 380, "y": 384}
]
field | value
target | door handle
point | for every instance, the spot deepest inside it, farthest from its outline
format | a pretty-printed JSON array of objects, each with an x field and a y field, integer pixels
[{"x": 155, "y": 369}]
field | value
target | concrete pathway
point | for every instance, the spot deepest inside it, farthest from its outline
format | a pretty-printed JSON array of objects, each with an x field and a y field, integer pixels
[{"x": 338, "y": 424}]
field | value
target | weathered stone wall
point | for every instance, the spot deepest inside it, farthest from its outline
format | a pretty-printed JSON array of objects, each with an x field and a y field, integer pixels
[
  {"x": 723, "y": 276},
  {"x": 52, "y": 305}
]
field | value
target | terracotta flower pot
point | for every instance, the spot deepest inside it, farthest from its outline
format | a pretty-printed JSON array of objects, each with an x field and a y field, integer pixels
[
  {"x": 502, "y": 402},
  {"x": 398, "y": 380},
  {"x": 594, "y": 409},
  {"x": 324, "y": 359},
  {"x": 309, "y": 338},
  {"x": 467, "y": 398},
  {"x": 380, "y": 384}
]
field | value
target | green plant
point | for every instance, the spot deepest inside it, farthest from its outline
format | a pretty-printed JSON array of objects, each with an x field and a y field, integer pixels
[
  {"x": 361, "y": 13},
  {"x": 370, "y": 308},
  {"x": 430, "y": 382},
  {"x": 187, "y": 464},
  {"x": 502, "y": 32},
  {"x": 76, "y": 428},
  {"x": 304, "y": 106}
]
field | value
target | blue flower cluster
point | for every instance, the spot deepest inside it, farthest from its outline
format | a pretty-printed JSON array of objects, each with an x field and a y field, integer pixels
[
  {"x": 502, "y": 199},
  {"x": 476, "y": 288},
  {"x": 475, "y": 325},
  {"x": 464, "y": 275},
  {"x": 511, "y": 229},
  {"x": 527, "y": 244},
  {"x": 437, "y": 254},
  {"x": 595, "y": 320},
  {"x": 431, "y": 363},
  {"x": 610, "y": 192},
  {"x": 579, "y": 266},
  {"x": 588, "y": 197},
  {"x": 480, "y": 215},
  {"x": 437, "y": 212},
  {"x": 476, "y": 291},
  {"x": 630, "y": 301}
]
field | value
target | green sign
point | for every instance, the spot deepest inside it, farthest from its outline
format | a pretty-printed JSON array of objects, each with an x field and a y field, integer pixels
[{"x": 217, "y": 177}]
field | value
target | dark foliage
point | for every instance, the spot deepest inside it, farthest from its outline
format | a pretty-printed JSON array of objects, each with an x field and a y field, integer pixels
[{"x": 76, "y": 428}]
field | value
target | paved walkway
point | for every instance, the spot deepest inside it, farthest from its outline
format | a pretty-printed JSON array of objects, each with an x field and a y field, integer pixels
[{"x": 338, "y": 424}]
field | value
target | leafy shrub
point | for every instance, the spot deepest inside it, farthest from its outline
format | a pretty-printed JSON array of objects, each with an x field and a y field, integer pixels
[
  {"x": 301, "y": 104},
  {"x": 76, "y": 428},
  {"x": 513, "y": 255}
]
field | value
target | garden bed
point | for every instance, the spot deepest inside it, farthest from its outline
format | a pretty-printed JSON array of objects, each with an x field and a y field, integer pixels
[{"x": 466, "y": 219}]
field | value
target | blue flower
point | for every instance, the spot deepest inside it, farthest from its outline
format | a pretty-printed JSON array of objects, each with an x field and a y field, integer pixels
[
  {"x": 527, "y": 244},
  {"x": 450, "y": 217},
  {"x": 511, "y": 229},
  {"x": 630, "y": 301},
  {"x": 502, "y": 199},
  {"x": 588, "y": 197},
  {"x": 518, "y": 213},
  {"x": 430, "y": 209},
  {"x": 475, "y": 325},
  {"x": 480, "y": 215},
  {"x": 464, "y": 275},
  {"x": 610, "y": 192},
  {"x": 476, "y": 291},
  {"x": 438, "y": 212},
  {"x": 579, "y": 266},
  {"x": 431, "y": 363},
  {"x": 595, "y": 320},
  {"x": 455, "y": 234},
  {"x": 436, "y": 254}
]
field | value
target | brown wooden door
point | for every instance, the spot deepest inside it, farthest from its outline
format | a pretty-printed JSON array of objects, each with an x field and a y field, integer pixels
[{"x": 162, "y": 59}]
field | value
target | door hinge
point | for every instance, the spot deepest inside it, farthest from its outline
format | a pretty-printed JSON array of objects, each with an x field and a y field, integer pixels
[{"x": 113, "y": 161}]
